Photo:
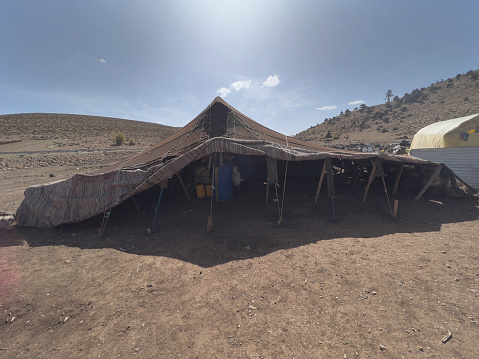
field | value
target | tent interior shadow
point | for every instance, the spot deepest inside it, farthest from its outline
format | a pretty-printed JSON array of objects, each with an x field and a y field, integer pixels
[{"x": 245, "y": 227}]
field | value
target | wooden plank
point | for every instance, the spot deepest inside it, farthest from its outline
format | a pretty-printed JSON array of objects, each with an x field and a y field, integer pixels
[
  {"x": 436, "y": 173},
  {"x": 330, "y": 179},
  {"x": 398, "y": 178},
  {"x": 183, "y": 186},
  {"x": 320, "y": 183},
  {"x": 371, "y": 178}
]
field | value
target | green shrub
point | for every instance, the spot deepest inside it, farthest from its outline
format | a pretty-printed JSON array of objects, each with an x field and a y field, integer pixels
[{"x": 119, "y": 138}]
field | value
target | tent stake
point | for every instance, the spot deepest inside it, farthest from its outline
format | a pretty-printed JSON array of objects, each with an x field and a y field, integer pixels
[
  {"x": 371, "y": 178},
  {"x": 320, "y": 183},
  {"x": 435, "y": 175},
  {"x": 183, "y": 186},
  {"x": 398, "y": 178}
]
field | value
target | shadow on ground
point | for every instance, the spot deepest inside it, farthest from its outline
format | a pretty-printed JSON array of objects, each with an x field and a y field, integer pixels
[{"x": 246, "y": 227}]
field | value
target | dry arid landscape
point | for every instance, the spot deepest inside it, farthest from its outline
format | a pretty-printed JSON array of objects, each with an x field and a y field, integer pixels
[
  {"x": 403, "y": 116},
  {"x": 365, "y": 286}
]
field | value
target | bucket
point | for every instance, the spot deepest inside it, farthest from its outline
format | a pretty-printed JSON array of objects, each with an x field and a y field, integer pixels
[
  {"x": 200, "y": 190},
  {"x": 225, "y": 183}
]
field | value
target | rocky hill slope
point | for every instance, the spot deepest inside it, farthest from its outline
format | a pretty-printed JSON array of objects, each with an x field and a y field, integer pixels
[
  {"x": 42, "y": 131},
  {"x": 401, "y": 117}
]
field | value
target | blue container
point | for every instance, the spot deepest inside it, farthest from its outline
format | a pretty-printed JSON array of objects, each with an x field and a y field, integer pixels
[{"x": 225, "y": 182}]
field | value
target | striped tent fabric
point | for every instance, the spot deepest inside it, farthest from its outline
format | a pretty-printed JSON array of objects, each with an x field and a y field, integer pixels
[{"x": 218, "y": 129}]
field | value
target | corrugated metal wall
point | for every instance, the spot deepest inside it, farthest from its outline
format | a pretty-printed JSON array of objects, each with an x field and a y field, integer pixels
[{"x": 463, "y": 161}]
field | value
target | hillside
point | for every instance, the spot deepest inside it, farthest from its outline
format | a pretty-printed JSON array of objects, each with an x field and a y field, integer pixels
[
  {"x": 42, "y": 131},
  {"x": 403, "y": 116}
]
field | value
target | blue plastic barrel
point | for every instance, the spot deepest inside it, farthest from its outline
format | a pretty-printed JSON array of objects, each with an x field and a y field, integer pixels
[{"x": 225, "y": 182}]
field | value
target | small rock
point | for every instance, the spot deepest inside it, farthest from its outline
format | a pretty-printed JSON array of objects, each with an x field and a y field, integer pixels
[
  {"x": 382, "y": 347},
  {"x": 149, "y": 285},
  {"x": 443, "y": 252},
  {"x": 373, "y": 292},
  {"x": 137, "y": 350},
  {"x": 52, "y": 175}
]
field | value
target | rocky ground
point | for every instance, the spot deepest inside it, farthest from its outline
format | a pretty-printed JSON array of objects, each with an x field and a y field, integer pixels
[{"x": 365, "y": 286}]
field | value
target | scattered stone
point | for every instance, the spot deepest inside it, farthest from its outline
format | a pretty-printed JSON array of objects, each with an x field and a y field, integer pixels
[
  {"x": 149, "y": 285},
  {"x": 382, "y": 347},
  {"x": 52, "y": 175}
]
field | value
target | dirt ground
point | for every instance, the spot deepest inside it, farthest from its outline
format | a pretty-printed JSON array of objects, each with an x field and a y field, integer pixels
[{"x": 366, "y": 286}]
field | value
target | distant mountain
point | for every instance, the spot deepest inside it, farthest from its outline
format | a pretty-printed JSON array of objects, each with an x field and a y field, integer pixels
[
  {"x": 79, "y": 131},
  {"x": 403, "y": 116}
]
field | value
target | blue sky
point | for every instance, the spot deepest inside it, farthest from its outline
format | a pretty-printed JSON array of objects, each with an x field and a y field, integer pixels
[{"x": 286, "y": 64}]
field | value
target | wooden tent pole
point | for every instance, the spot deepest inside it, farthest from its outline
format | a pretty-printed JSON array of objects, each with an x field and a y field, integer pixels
[
  {"x": 183, "y": 186},
  {"x": 435, "y": 175},
  {"x": 453, "y": 175},
  {"x": 320, "y": 183},
  {"x": 329, "y": 178},
  {"x": 398, "y": 178},
  {"x": 267, "y": 190},
  {"x": 136, "y": 204},
  {"x": 371, "y": 178}
]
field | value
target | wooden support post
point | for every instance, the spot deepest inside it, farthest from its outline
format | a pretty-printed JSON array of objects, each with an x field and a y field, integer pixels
[
  {"x": 267, "y": 190},
  {"x": 320, "y": 183},
  {"x": 183, "y": 186},
  {"x": 136, "y": 204},
  {"x": 435, "y": 175},
  {"x": 330, "y": 179},
  {"x": 395, "y": 209},
  {"x": 398, "y": 178},
  {"x": 453, "y": 179},
  {"x": 371, "y": 178}
]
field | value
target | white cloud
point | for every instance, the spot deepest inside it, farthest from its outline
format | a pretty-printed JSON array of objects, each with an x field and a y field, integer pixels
[
  {"x": 272, "y": 81},
  {"x": 223, "y": 92},
  {"x": 103, "y": 61},
  {"x": 238, "y": 85},
  {"x": 357, "y": 102},
  {"x": 326, "y": 108}
]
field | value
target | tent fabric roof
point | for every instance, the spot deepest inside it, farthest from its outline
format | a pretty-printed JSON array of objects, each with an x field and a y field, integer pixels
[
  {"x": 219, "y": 128},
  {"x": 458, "y": 132}
]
